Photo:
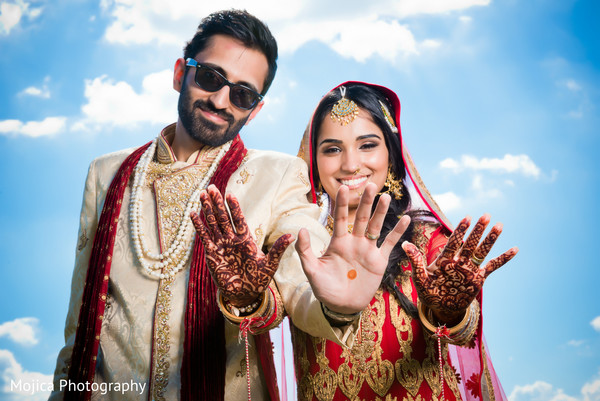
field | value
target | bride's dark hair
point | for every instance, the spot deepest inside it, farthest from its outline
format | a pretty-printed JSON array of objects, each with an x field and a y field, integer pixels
[{"x": 367, "y": 98}]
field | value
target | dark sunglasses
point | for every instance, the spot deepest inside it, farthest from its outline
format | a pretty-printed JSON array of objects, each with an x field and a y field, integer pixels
[{"x": 211, "y": 80}]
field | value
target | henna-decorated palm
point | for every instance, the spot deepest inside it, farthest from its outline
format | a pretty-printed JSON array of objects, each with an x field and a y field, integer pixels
[
  {"x": 240, "y": 270},
  {"x": 346, "y": 277},
  {"x": 453, "y": 280}
]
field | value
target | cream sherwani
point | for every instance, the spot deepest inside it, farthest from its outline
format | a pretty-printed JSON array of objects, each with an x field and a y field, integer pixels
[{"x": 271, "y": 188}]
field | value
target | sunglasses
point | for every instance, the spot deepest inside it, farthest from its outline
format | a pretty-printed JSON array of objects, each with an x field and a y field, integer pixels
[{"x": 211, "y": 80}]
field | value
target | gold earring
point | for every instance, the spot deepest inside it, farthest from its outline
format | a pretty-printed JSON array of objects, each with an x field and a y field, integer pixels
[{"x": 393, "y": 184}]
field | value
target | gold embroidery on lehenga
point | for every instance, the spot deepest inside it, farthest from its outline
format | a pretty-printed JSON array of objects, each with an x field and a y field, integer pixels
[
  {"x": 325, "y": 380},
  {"x": 380, "y": 372},
  {"x": 408, "y": 370},
  {"x": 351, "y": 378},
  {"x": 488, "y": 386},
  {"x": 305, "y": 384}
]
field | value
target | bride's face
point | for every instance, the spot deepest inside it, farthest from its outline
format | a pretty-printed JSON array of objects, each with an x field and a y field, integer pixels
[{"x": 351, "y": 155}]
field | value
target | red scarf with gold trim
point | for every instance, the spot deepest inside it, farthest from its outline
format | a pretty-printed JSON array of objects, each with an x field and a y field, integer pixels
[{"x": 203, "y": 364}]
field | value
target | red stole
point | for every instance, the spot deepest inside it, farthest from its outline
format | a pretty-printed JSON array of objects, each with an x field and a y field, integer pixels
[{"x": 203, "y": 364}]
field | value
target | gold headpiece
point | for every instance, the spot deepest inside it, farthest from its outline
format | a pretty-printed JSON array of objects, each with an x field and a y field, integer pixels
[
  {"x": 345, "y": 110},
  {"x": 388, "y": 118}
]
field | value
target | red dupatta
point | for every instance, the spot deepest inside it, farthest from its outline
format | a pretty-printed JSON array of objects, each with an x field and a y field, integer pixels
[
  {"x": 204, "y": 356},
  {"x": 479, "y": 379}
]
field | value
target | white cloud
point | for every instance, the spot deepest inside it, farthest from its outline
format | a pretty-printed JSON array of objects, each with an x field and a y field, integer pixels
[
  {"x": 542, "y": 391},
  {"x": 37, "y": 92},
  {"x": 591, "y": 390},
  {"x": 117, "y": 103},
  {"x": 48, "y": 126},
  {"x": 508, "y": 164},
  {"x": 17, "y": 384},
  {"x": 431, "y": 44},
  {"x": 596, "y": 323},
  {"x": 358, "y": 32},
  {"x": 539, "y": 391},
  {"x": 358, "y": 38},
  {"x": 447, "y": 201},
  {"x": 414, "y": 7},
  {"x": 22, "y": 330},
  {"x": 42, "y": 92},
  {"x": 11, "y": 14},
  {"x": 576, "y": 343}
]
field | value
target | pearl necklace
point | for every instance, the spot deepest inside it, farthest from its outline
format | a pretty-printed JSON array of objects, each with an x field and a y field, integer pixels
[{"x": 180, "y": 250}]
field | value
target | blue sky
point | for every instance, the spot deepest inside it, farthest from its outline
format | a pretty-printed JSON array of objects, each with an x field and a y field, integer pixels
[{"x": 499, "y": 109}]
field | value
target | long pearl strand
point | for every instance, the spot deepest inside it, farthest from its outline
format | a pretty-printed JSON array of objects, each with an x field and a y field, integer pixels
[{"x": 181, "y": 248}]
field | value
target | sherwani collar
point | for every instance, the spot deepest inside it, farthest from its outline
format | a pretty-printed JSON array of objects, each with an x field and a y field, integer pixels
[{"x": 166, "y": 155}]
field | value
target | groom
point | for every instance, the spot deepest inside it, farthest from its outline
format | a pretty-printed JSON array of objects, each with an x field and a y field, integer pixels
[{"x": 144, "y": 308}]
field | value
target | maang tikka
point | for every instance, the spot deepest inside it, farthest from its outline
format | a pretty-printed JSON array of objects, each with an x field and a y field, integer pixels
[{"x": 345, "y": 110}]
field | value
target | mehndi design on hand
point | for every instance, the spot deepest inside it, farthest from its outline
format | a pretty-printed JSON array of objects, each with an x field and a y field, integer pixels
[
  {"x": 241, "y": 271},
  {"x": 449, "y": 285}
]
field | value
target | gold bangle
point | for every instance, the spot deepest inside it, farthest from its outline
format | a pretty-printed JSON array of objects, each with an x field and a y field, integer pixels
[
  {"x": 264, "y": 303},
  {"x": 427, "y": 319},
  {"x": 459, "y": 334}
]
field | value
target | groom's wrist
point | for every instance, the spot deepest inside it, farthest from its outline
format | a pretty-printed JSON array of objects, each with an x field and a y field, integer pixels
[{"x": 337, "y": 319}]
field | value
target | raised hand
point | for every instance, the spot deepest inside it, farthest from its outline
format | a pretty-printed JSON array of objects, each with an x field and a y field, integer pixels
[
  {"x": 240, "y": 270},
  {"x": 346, "y": 277},
  {"x": 453, "y": 280}
]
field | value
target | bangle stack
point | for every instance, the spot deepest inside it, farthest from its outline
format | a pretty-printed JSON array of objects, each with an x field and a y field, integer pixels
[
  {"x": 257, "y": 308},
  {"x": 457, "y": 335},
  {"x": 339, "y": 319}
]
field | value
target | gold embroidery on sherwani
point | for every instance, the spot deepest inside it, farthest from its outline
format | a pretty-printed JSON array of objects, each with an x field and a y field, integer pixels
[
  {"x": 325, "y": 380},
  {"x": 259, "y": 234},
  {"x": 302, "y": 177},
  {"x": 172, "y": 190},
  {"x": 83, "y": 240},
  {"x": 242, "y": 368},
  {"x": 245, "y": 175},
  {"x": 162, "y": 344}
]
